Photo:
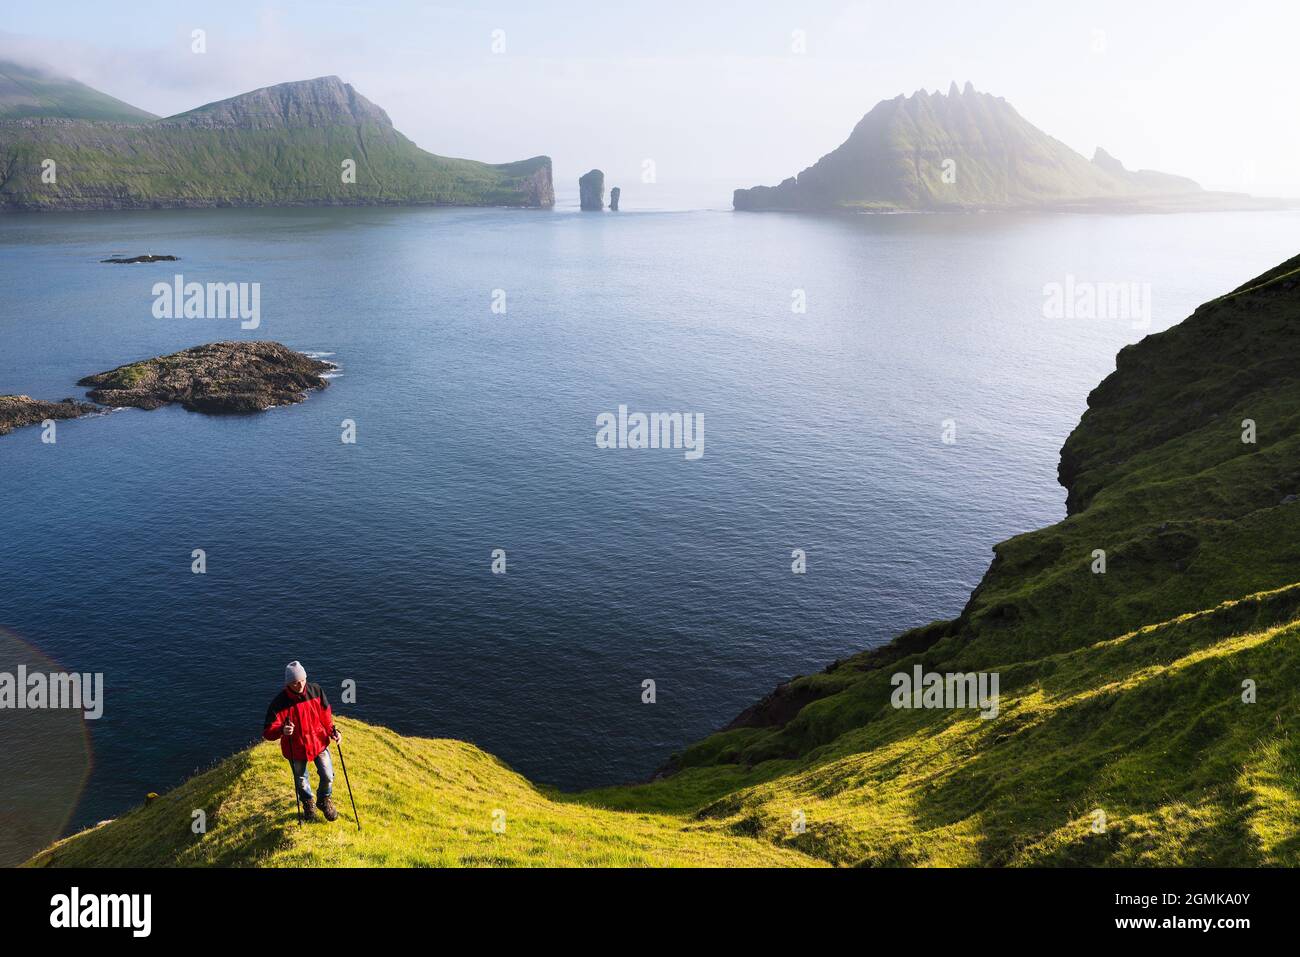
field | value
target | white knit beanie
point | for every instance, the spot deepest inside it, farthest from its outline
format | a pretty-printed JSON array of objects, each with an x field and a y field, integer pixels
[{"x": 294, "y": 671}]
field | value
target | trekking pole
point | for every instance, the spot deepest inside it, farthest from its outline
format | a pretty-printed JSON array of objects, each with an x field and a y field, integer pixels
[
  {"x": 343, "y": 761},
  {"x": 297, "y": 798}
]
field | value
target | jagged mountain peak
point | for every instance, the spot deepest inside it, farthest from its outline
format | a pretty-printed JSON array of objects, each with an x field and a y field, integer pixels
[{"x": 954, "y": 93}]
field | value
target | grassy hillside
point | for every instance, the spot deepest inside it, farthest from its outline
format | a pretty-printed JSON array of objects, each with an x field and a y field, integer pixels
[
  {"x": 1149, "y": 715},
  {"x": 27, "y": 91},
  {"x": 1149, "y": 728},
  {"x": 422, "y": 802},
  {"x": 172, "y": 166},
  {"x": 280, "y": 146}
]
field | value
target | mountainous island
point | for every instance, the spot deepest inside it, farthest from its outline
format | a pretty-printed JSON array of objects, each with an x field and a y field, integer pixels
[
  {"x": 1149, "y": 712},
  {"x": 970, "y": 150},
  {"x": 310, "y": 143}
]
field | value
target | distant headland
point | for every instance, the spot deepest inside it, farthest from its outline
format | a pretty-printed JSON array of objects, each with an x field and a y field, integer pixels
[{"x": 309, "y": 143}]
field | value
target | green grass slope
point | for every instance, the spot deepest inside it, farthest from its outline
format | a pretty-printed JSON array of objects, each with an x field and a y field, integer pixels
[
  {"x": 1149, "y": 715},
  {"x": 1148, "y": 728}
]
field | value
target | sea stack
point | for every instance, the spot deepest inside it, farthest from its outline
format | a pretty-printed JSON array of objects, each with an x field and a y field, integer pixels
[
  {"x": 591, "y": 190},
  {"x": 613, "y": 198}
]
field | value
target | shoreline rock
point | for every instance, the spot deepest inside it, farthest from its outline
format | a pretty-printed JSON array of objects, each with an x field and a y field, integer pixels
[
  {"x": 220, "y": 378},
  {"x": 20, "y": 411},
  {"x": 147, "y": 258}
]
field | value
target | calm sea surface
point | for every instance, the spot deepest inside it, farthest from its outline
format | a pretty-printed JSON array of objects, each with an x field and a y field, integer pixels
[{"x": 476, "y": 431}]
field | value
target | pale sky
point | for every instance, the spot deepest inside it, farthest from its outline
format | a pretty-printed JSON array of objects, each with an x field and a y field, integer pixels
[{"x": 714, "y": 93}]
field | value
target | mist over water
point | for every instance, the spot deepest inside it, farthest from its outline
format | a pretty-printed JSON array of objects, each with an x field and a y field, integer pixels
[{"x": 476, "y": 431}]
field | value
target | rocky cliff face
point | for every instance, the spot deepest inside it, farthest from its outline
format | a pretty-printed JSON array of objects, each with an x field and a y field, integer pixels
[
  {"x": 324, "y": 101},
  {"x": 537, "y": 188}
]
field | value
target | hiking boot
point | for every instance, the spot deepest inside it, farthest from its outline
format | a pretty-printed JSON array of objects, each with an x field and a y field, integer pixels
[
  {"x": 309, "y": 809},
  {"x": 327, "y": 807}
]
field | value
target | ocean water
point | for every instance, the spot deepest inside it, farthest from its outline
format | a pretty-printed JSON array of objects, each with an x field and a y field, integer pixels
[{"x": 476, "y": 431}]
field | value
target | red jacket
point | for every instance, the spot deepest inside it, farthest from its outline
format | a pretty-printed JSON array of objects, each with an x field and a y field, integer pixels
[{"x": 312, "y": 719}]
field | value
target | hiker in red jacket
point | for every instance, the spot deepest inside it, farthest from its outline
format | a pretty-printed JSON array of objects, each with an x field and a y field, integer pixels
[{"x": 301, "y": 719}]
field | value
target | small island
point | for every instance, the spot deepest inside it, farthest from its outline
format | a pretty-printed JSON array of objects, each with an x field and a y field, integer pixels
[
  {"x": 220, "y": 378},
  {"x": 217, "y": 378},
  {"x": 18, "y": 411},
  {"x": 146, "y": 258}
]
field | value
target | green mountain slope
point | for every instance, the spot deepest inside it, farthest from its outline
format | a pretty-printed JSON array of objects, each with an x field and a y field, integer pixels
[
  {"x": 968, "y": 150},
  {"x": 28, "y": 91},
  {"x": 284, "y": 145},
  {"x": 421, "y": 801},
  {"x": 1147, "y": 715}
]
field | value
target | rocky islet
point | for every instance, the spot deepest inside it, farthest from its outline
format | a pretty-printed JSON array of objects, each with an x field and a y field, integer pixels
[{"x": 219, "y": 378}]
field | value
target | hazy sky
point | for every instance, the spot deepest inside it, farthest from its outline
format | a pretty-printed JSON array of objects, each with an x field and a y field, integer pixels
[{"x": 714, "y": 92}]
